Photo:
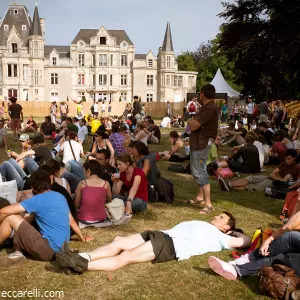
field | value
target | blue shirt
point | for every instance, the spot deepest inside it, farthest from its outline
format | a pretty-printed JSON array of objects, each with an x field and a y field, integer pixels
[{"x": 52, "y": 216}]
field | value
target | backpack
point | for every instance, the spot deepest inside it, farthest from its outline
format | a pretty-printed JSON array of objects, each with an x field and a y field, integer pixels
[
  {"x": 177, "y": 169},
  {"x": 278, "y": 281},
  {"x": 165, "y": 190},
  {"x": 192, "y": 107},
  {"x": 211, "y": 168}
]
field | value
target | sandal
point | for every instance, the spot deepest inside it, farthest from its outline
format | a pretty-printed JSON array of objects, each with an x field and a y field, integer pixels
[
  {"x": 195, "y": 201},
  {"x": 206, "y": 210}
]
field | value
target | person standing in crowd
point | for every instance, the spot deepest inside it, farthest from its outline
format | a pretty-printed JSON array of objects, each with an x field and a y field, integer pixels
[
  {"x": 224, "y": 112},
  {"x": 137, "y": 108},
  {"x": 103, "y": 109},
  {"x": 16, "y": 115},
  {"x": 53, "y": 112},
  {"x": 250, "y": 111},
  {"x": 95, "y": 111},
  {"x": 204, "y": 129},
  {"x": 64, "y": 110},
  {"x": 264, "y": 111},
  {"x": 281, "y": 116},
  {"x": 169, "y": 109}
]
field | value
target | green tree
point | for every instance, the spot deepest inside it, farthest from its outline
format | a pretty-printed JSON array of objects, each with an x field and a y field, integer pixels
[
  {"x": 186, "y": 62},
  {"x": 262, "y": 39}
]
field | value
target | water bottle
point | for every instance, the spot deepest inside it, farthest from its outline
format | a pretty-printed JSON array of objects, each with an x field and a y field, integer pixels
[{"x": 152, "y": 194}]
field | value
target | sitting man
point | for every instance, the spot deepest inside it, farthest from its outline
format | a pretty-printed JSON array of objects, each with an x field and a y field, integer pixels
[
  {"x": 31, "y": 126},
  {"x": 47, "y": 128},
  {"x": 277, "y": 152},
  {"x": 154, "y": 137},
  {"x": 52, "y": 215},
  {"x": 238, "y": 135},
  {"x": 246, "y": 160},
  {"x": 281, "y": 247},
  {"x": 284, "y": 172},
  {"x": 181, "y": 242},
  {"x": 266, "y": 132}
]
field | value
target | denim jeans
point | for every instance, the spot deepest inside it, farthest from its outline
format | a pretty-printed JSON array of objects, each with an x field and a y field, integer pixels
[
  {"x": 31, "y": 164},
  {"x": 284, "y": 250},
  {"x": 72, "y": 179},
  {"x": 137, "y": 204},
  {"x": 198, "y": 165},
  {"x": 10, "y": 172},
  {"x": 76, "y": 169}
]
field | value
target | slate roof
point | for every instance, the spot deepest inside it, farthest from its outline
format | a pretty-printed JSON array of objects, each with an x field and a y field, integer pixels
[
  {"x": 140, "y": 56},
  {"x": 168, "y": 43},
  {"x": 87, "y": 34},
  {"x": 36, "y": 25},
  {"x": 64, "y": 51},
  {"x": 17, "y": 20}
]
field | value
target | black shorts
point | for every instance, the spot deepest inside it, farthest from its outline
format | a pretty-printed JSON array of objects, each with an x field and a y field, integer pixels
[{"x": 162, "y": 244}]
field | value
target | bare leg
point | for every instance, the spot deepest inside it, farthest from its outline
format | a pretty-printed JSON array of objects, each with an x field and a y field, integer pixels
[
  {"x": 296, "y": 209},
  {"x": 7, "y": 226},
  {"x": 239, "y": 183},
  {"x": 118, "y": 245},
  {"x": 142, "y": 253},
  {"x": 206, "y": 192},
  {"x": 200, "y": 195},
  {"x": 232, "y": 139}
]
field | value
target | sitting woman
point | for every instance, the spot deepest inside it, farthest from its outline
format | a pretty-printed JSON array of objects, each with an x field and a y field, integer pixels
[
  {"x": 39, "y": 150},
  {"x": 56, "y": 170},
  {"x": 177, "y": 153},
  {"x": 91, "y": 196},
  {"x": 102, "y": 142},
  {"x": 141, "y": 133},
  {"x": 146, "y": 161},
  {"x": 134, "y": 182}
]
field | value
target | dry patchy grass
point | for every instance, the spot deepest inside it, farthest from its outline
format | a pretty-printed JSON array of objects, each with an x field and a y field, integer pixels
[{"x": 190, "y": 279}]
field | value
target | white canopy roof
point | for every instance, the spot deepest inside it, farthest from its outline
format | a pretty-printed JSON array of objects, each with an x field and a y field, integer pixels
[{"x": 222, "y": 86}]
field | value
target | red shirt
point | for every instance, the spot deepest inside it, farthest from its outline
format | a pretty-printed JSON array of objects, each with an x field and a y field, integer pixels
[
  {"x": 280, "y": 149},
  {"x": 142, "y": 192}
]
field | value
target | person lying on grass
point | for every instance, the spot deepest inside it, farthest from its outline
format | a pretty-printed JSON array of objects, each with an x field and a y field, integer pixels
[
  {"x": 181, "y": 242},
  {"x": 53, "y": 217},
  {"x": 281, "y": 247}
]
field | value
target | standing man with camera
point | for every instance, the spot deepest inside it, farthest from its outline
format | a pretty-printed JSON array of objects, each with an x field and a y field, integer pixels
[{"x": 204, "y": 129}]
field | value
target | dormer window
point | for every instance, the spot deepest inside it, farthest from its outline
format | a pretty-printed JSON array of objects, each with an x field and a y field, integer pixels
[
  {"x": 24, "y": 27},
  {"x": 14, "y": 48},
  {"x": 54, "y": 61},
  {"x": 16, "y": 11},
  {"x": 6, "y": 27},
  {"x": 102, "y": 40},
  {"x": 150, "y": 63}
]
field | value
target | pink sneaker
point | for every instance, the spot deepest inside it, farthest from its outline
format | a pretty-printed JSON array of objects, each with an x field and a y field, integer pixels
[{"x": 222, "y": 268}]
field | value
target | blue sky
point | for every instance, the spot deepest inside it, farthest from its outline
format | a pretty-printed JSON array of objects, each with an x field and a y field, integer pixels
[{"x": 192, "y": 21}]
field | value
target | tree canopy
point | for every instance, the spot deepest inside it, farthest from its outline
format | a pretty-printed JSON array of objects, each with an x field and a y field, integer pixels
[{"x": 262, "y": 39}]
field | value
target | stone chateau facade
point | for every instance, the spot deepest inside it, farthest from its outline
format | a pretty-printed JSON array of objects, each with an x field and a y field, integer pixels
[{"x": 99, "y": 64}]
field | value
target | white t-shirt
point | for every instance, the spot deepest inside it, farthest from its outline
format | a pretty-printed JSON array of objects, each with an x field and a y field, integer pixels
[
  {"x": 77, "y": 148},
  {"x": 103, "y": 107},
  {"x": 96, "y": 107},
  {"x": 82, "y": 132},
  {"x": 261, "y": 152},
  {"x": 165, "y": 122},
  {"x": 250, "y": 108},
  {"x": 196, "y": 238},
  {"x": 266, "y": 149}
]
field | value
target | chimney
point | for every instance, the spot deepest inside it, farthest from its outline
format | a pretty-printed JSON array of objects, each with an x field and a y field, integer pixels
[{"x": 42, "y": 22}]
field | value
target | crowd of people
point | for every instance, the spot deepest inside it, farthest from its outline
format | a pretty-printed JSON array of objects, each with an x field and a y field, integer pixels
[{"x": 64, "y": 189}]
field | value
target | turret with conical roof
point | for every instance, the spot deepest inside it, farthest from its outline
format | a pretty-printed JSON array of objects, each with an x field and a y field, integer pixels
[
  {"x": 36, "y": 38},
  {"x": 168, "y": 43}
]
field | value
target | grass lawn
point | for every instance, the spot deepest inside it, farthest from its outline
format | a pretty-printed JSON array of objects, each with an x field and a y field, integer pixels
[{"x": 190, "y": 279}]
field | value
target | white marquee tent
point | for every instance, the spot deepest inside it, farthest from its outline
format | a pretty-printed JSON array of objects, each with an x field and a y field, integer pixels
[{"x": 222, "y": 86}]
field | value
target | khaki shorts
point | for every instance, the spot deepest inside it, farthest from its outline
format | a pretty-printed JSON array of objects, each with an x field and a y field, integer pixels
[
  {"x": 15, "y": 123},
  {"x": 258, "y": 183},
  {"x": 29, "y": 241}
]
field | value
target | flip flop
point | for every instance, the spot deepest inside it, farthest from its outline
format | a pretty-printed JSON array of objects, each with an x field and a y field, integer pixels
[
  {"x": 206, "y": 210},
  {"x": 195, "y": 202}
]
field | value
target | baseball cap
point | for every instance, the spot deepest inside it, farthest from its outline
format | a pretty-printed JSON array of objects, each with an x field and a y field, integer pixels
[
  {"x": 136, "y": 97},
  {"x": 24, "y": 137}
]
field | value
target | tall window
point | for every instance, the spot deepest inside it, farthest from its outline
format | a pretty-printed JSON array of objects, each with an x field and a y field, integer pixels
[
  {"x": 103, "y": 60},
  {"x": 111, "y": 79},
  {"x": 102, "y": 79},
  {"x": 149, "y": 80},
  {"x": 102, "y": 40},
  {"x": 123, "y": 60},
  {"x": 81, "y": 79},
  {"x": 93, "y": 60},
  {"x": 35, "y": 49},
  {"x": 54, "y": 61},
  {"x": 175, "y": 80},
  {"x": 168, "y": 80},
  {"x": 163, "y": 80},
  {"x": 36, "y": 77},
  {"x": 124, "y": 80},
  {"x": 94, "y": 79},
  {"x": 54, "y": 78},
  {"x": 14, "y": 48},
  {"x": 111, "y": 60},
  {"x": 180, "y": 80},
  {"x": 80, "y": 96},
  {"x": 81, "y": 60},
  {"x": 36, "y": 91},
  {"x": 149, "y": 97},
  {"x": 168, "y": 62},
  {"x": 124, "y": 96},
  {"x": 150, "y": 63},
  {"x": 12, "y": 70},
  {"x": 25, "y": 73}
]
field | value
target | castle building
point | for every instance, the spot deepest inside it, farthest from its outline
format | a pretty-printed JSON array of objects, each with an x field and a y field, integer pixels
[{"x": 100, "y": 64}]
